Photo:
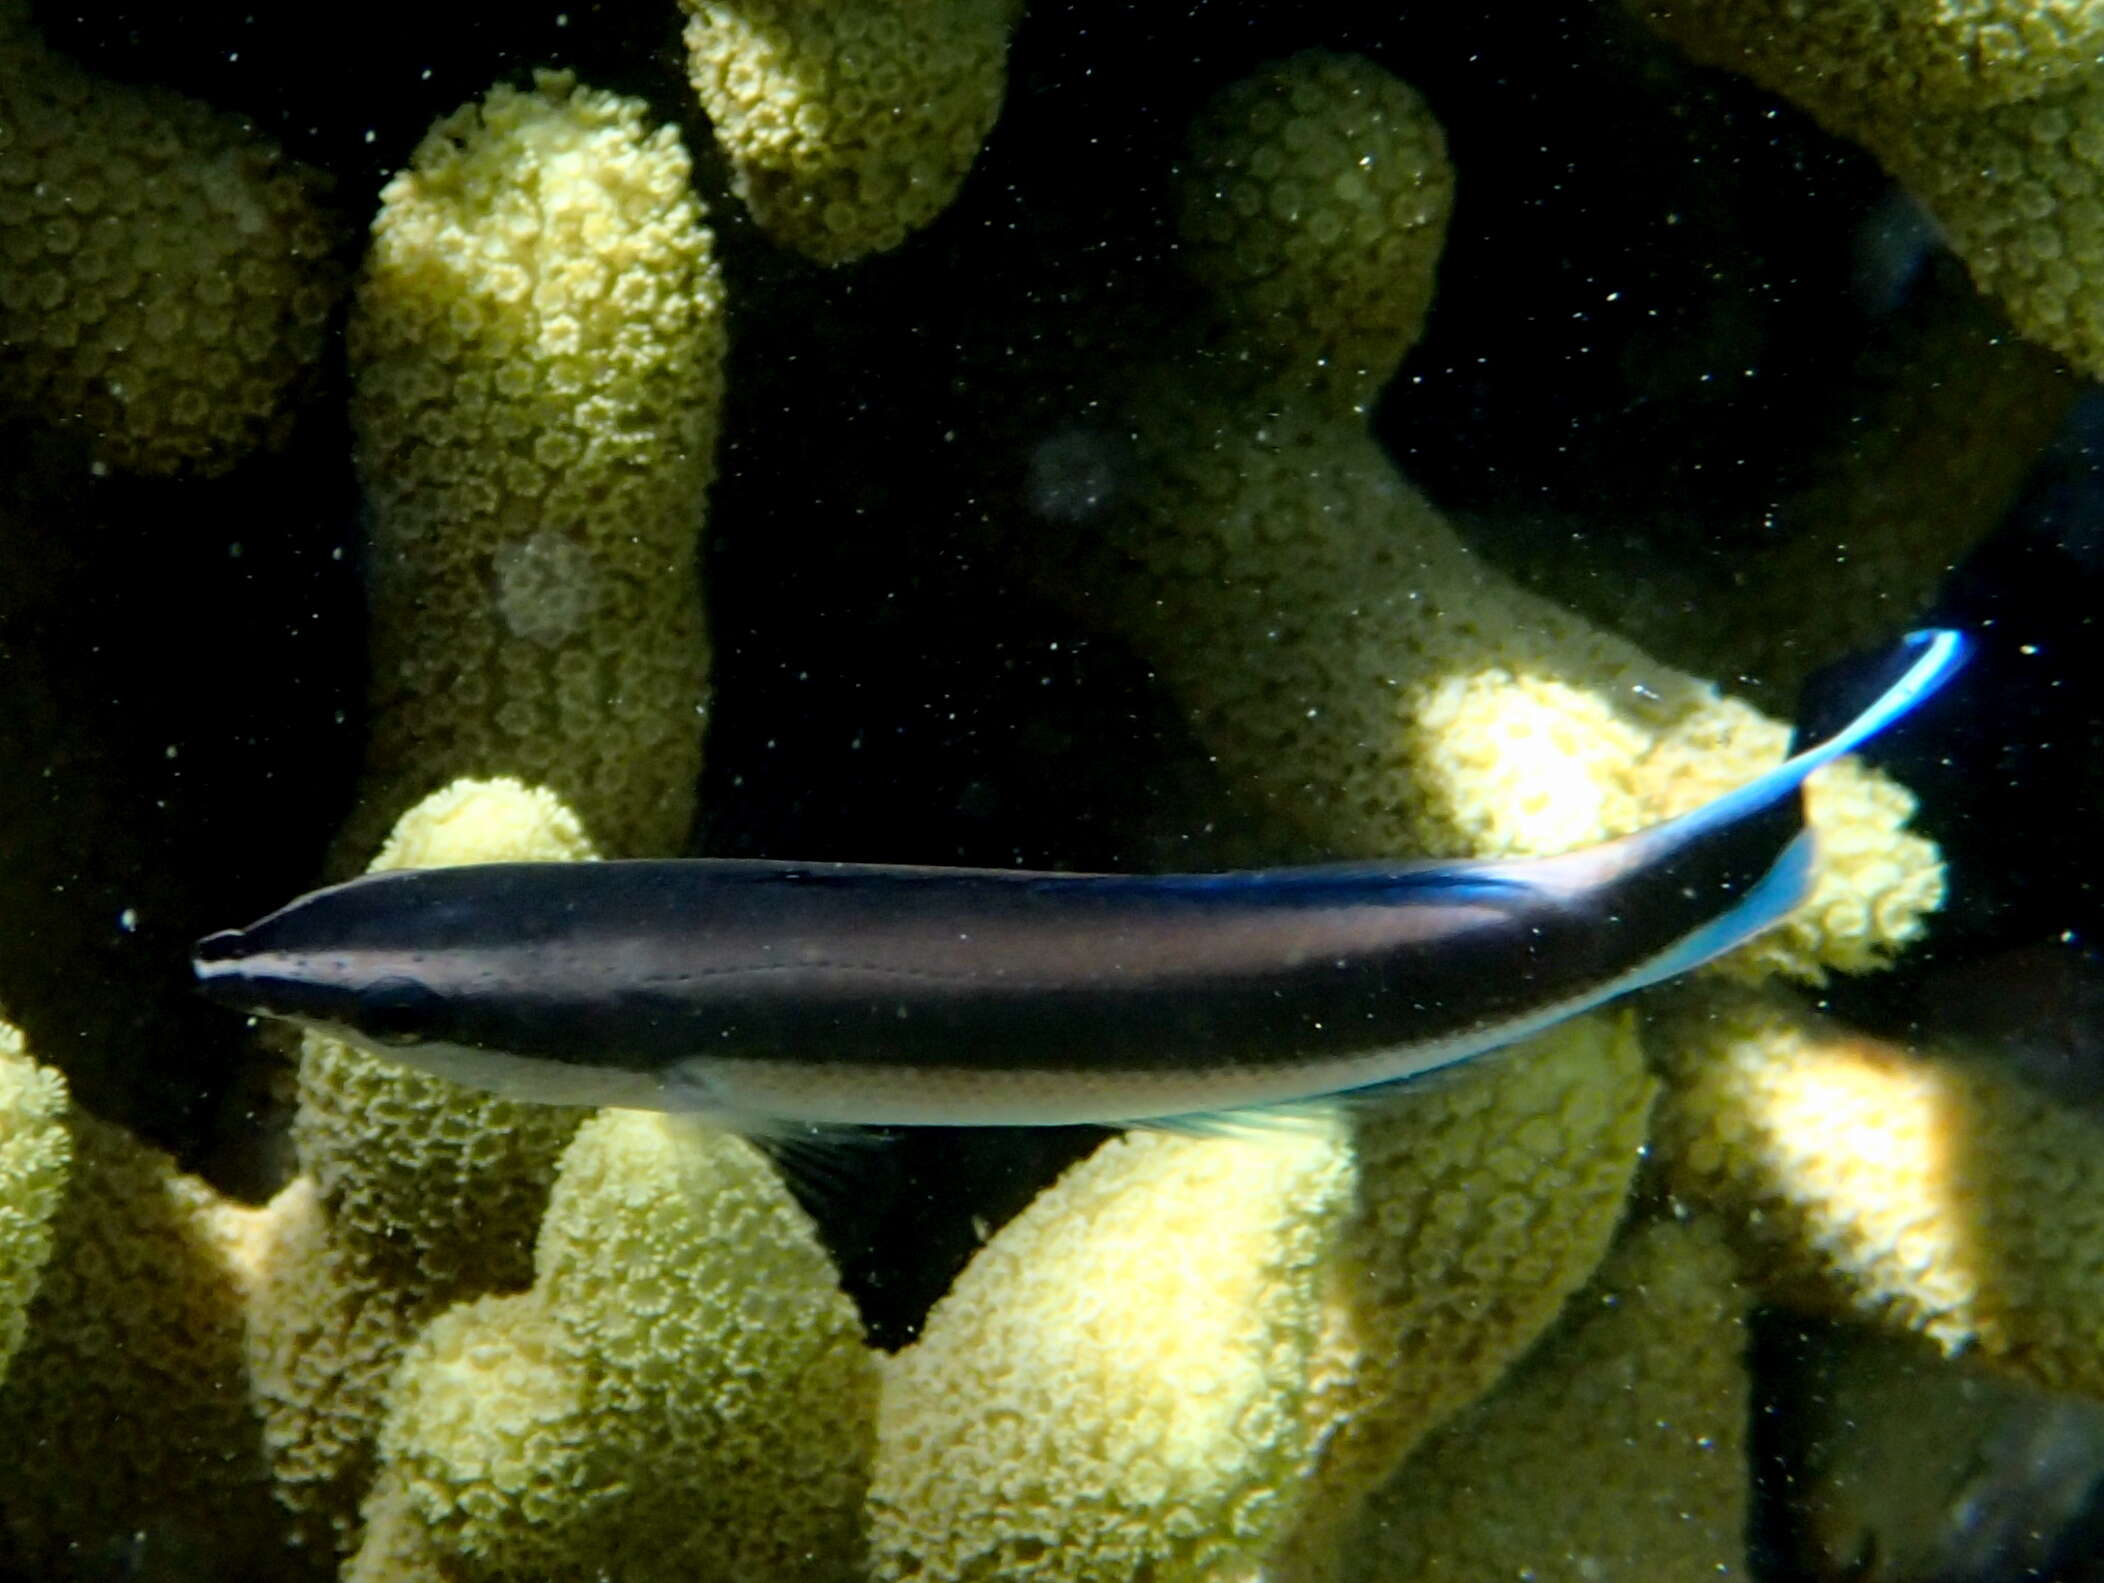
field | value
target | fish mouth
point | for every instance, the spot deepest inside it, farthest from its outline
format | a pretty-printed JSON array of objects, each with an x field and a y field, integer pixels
[
  {"x": 228, "y": 945},
  {"x": 217, "y": 962}
]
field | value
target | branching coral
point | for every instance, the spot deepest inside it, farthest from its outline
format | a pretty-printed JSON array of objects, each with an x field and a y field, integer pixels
[
  {"x": 2019, "y": 192},
  {"x": 415, "y": 1194},
  {"x": 228, "y": 1369},
  {"x": 439, "y": 1189},
  {"x": 1190, "y": 1358},
  {"x": 684, "y": 1389},
  {"x": 1333, "y": 640},
  {"x": 1485, "y": 1198},
  {"x": 1117, "y": 1385},
  {"x": 1616, "y": 1449},
  {"x": 537, "y": 357},
  {"x": 1858, "y": 58},
  {"x": 1925, "y": 1193},
  {"x": 1193, "y": 1356},
  {"x": 1992, "y": 115},
  {"x": 1312, "y": 204},
  {"x": 166, "y": 276},
  {"x": 132, "y": 1379},
  {"x": 35, "y": 1150},
  {"x": 848, "y": 125},
  {"x": 537, "y": 353}
]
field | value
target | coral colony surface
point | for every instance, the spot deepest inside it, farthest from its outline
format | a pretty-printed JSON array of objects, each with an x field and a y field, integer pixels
[{"x": 873, "y": 330}]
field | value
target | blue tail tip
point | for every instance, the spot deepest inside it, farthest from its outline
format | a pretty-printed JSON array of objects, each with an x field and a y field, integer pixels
[
  {"x": 1944, "y": 652},
  {"x": 1917, "y": 666},
  {"x": 1956, "y": 646}
]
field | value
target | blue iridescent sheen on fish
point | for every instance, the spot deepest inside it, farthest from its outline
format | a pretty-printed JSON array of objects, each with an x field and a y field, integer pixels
[{"x": 770, "y": 993}]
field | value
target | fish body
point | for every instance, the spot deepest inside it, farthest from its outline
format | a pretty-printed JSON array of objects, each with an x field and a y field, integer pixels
[{"x": 764, "y": 993}]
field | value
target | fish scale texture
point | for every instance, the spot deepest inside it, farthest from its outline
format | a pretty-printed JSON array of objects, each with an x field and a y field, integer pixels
[
  {"x": 1334, "y": 642},
  {"x": 684, "y": 1392},
  {"x": 166, "y": 275},
  {"x": 536, "y": 357},
  {"x": 1919, "y": 1192},
  {"x": 1616, "y": 1449},
  {"x": 1991, "y": 114},
  {"x": 848, "y": 125},
  {"x": 1191, "y": 1357}
]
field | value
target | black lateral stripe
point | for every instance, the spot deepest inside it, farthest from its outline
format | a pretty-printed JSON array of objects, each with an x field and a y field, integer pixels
[{"x": 646, "y": 964}]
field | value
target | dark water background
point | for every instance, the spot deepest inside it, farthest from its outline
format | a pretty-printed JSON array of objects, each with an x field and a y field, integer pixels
[{"x": 1659, "y": 285}]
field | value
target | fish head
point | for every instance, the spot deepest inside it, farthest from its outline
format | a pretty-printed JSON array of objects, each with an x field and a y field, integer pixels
[
  {"x": 367, "y": 962},
  {"x": 435, "y": 969},
  {"x": 344, "y": 994}
]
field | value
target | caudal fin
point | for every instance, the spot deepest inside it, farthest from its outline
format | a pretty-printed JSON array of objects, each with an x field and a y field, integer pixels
[
  {"x": 1922, "y": 662},
  {"x": 1914, "y": 668}
]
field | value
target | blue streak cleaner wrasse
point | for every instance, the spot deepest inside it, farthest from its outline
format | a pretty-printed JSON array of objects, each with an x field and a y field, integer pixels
[{"x": 770, "y": 993}]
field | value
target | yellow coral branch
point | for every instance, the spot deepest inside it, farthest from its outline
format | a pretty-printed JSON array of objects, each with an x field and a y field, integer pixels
[
  {"x": 1919, "y": 1191},
  {"x": 537, "y": 354}
]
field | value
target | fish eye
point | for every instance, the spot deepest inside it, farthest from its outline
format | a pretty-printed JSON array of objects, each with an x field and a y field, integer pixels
[{"x": 397, "y": 1011}]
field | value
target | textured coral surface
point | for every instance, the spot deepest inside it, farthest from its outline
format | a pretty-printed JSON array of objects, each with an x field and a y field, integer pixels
[
  {"x": 413, "y": 1194},
  {"x": 848, "y": 125},
  {"x": 165, "y": 273},
  {"x": 1932, "y": 1193},
  {"x": 649, "y": 1402},
  {"x": 1175, "y": 1285},
  {"x": 1618, "y": 1448},
  {"x": 1261, "y": 1327},
  {"x": 34, "y": 1152},
  {"x": 1312, "y": 205},
  {"x": 1121, "y": 486},
  {"x": 1334, "y": 641},
  {"x": 1992, "y": 115},
  {"x": 537, "y": 348},
  {"x": 1872, "y": 53},
  {"x": 133, "y": 1364},
  {"x": 1485, "y": 1199}
]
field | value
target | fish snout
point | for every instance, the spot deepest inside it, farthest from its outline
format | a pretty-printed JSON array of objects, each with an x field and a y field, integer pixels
[
  {"x": 217, "y": 961},
  {"x": 228, "y": 945}
]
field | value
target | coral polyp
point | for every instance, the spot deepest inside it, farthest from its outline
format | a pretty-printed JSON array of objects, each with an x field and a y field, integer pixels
[
  {"x": 1107, "y": 364},
  {"x": 167, "y": 275}
]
